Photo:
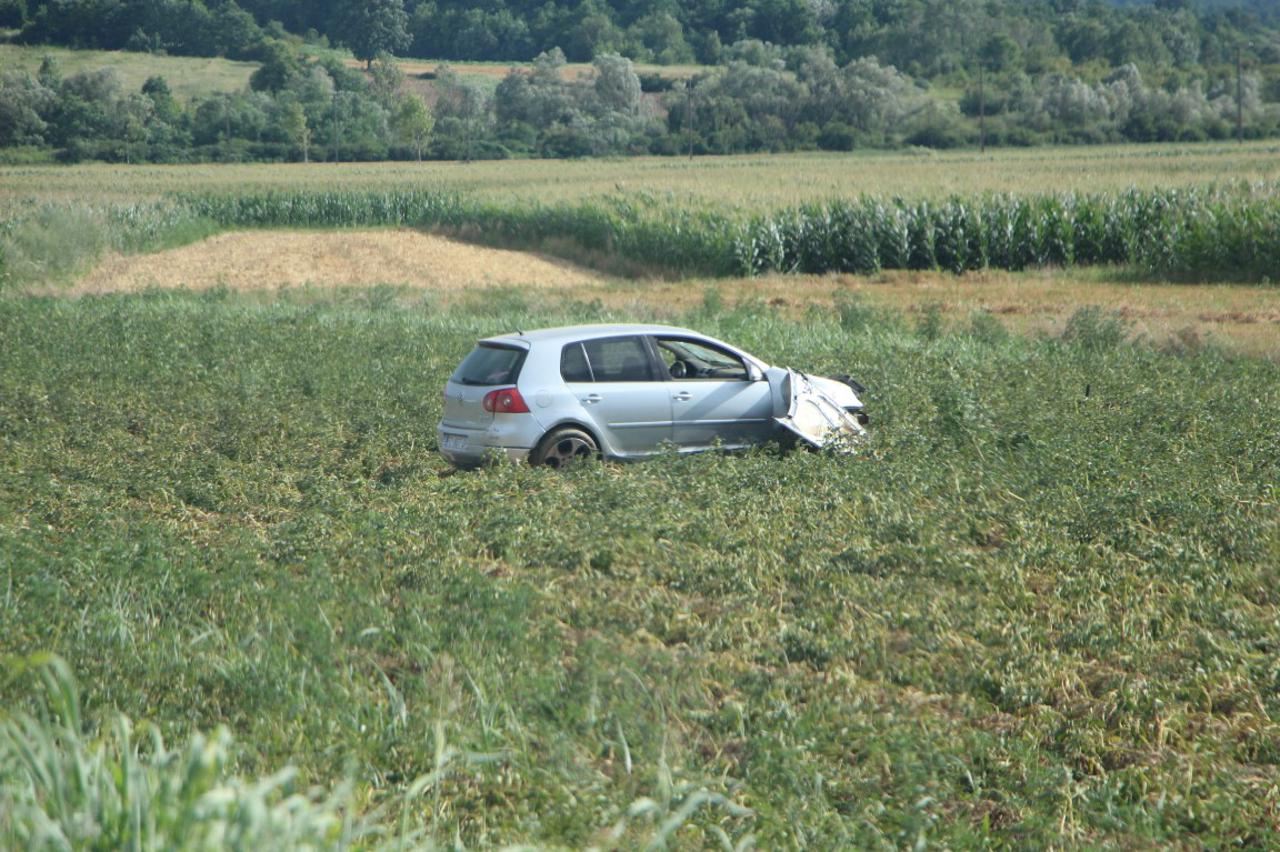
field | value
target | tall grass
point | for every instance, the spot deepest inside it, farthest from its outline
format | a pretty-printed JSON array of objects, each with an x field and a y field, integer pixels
[
  {"x": 51, "y": 242},
  {"x": 1038, "y": 610},
  {"x": 62, "y": 787}
]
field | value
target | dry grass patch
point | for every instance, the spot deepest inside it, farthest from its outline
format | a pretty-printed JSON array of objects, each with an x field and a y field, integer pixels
[
  {"x": 1242, "y": 317},
  {"x": 273, "y": 259}
]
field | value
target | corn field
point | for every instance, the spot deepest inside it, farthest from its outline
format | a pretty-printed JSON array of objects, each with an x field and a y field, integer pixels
[
  {"x": 1199, "y": 234},
  {"x": 1206, "y": 234}
]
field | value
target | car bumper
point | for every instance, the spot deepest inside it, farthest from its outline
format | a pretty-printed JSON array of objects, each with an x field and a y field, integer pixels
[{"x": 470, "y": 447}]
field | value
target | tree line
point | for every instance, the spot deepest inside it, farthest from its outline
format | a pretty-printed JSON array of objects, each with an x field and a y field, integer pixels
[
  {"x": 763, "y": 98},
  {"x": 924, "y": 38},
  {"x": 1002, "y": 84}
]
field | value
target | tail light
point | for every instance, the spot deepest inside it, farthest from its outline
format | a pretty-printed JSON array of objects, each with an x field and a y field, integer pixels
[{"x": 505, "y": 401}]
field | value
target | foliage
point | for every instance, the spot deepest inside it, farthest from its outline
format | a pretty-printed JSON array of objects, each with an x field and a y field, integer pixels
[
  {"x": 414, "y": 123},
  {"x": 1037, "y": 610},
  {"x": 778, "y": 75},
  {"x": 183, "y": 27},
  {"x": 372, "y": 27},
  {"x": 1214, "y": 233},
  {"x": 61, "y": 786}
]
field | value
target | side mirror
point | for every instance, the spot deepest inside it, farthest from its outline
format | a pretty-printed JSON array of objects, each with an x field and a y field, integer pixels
[{"x": 754, "y": 374}]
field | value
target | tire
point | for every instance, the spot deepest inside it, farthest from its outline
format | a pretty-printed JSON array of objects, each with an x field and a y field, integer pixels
[{"x": 563, "y": 446}]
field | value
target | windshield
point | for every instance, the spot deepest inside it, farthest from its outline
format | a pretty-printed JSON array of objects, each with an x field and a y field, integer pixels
[
  {"x": 687, "y": 359},
  {"x": 490, "y": 364}
]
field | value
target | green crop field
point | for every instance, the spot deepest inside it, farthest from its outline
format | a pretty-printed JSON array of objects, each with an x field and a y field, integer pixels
[
  {"x": 1039, "y": 608},
  {"x": 752, "y": 182}
]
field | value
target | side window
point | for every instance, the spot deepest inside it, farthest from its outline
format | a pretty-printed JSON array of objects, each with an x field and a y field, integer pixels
[
  {"x": 618, "y": 359},
  {"x": 687, "y": 360},
  {"x": 573, "y": 364}
]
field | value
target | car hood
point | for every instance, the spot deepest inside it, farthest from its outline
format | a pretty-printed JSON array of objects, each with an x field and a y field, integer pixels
[{"x": 814, "y": 408}]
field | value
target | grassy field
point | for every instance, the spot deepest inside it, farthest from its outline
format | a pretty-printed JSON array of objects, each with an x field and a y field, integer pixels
[
  {"x": 187, "y": 76},
  {"x": 752, "y": 182},
  {"x": 190, "y": 76},
  {"x": 1039, "y": 609}
]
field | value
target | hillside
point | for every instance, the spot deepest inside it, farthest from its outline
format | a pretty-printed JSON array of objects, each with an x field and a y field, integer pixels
[
  {"x": 518, "y": 79},
  {"x": 187, "y": 76}
]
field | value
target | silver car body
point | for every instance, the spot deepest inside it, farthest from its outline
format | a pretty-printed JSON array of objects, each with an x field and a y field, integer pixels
[{"x": 638, "y": 390}]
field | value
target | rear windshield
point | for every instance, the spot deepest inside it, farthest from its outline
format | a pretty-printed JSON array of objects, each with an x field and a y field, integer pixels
[{"x": 490, "y": 364}]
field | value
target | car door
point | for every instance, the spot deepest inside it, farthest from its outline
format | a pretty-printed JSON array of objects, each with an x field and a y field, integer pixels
[
  {"x": 715, "y": 397},
  {"x": 614, "y": 379}
]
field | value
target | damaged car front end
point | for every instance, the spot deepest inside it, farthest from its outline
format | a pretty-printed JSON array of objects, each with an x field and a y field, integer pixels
[{"x": 824, "y": 413}]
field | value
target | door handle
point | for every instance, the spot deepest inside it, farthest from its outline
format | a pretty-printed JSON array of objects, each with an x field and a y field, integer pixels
[
  {"x": 682, "y": 396},
  {"x": 591, "y": 397}
]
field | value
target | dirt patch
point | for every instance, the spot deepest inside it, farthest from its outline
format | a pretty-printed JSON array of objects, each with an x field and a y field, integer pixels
[{"x": 271, "y": 259}]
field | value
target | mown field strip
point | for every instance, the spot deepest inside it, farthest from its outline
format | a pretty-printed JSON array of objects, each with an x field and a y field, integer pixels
[{"x": 264, "y": 260}]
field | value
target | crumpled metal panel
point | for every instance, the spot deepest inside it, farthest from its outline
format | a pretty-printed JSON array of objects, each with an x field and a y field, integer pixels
[{"x": 815, "y": 417}]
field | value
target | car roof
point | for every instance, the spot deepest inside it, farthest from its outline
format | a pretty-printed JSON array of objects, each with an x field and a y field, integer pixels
[{"x": 568, "y": 333}]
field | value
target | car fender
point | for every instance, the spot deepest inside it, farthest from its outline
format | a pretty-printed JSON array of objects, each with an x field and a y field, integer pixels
[{"x": 843, "y": 395}]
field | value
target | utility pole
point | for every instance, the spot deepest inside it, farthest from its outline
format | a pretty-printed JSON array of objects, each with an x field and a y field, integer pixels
[
  {"x": 982, "y": 107},
  {"x": 335, "y": 126},
  {"x": 1239, "y": 101},
  {"x": 688, "y": 114}
]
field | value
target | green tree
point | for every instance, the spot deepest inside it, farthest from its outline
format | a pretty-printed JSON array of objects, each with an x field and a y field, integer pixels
[
  {"x": 413, "y": 123},
  {"x": 50, "y": 73},
  {"x": 385, "y": 80},
  {"x": 22, "y": 103},
  {"x": 616, "y": 85},
  {"x": 998, "y": 53},
  {"x": 281, "y": 66},
  {"x": 291, "y": 125},
  {"x": 235, "y": 33},
  {"x": 371, "y": 27}
]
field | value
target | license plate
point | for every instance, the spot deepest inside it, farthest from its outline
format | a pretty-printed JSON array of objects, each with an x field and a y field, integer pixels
[{"x": 454, "y": 442}]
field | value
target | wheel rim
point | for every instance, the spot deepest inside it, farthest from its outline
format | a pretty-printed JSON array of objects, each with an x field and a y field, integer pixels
[{"x": 567, "y": 449}]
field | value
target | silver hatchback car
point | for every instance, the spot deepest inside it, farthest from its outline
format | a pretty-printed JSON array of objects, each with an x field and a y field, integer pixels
[{"x": 629, "y": 391}]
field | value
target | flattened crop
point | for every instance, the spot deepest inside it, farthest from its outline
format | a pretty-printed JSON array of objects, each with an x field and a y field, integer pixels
[{"x": 272, "y": 259}]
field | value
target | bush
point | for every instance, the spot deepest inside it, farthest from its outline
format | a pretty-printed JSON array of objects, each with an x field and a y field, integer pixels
[
  {"x": 837, "y": 137},
  {"x": 1095, "y": 330}
]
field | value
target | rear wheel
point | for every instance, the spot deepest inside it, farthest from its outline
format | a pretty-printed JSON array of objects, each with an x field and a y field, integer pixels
[{"x": 564, "y": 446}]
